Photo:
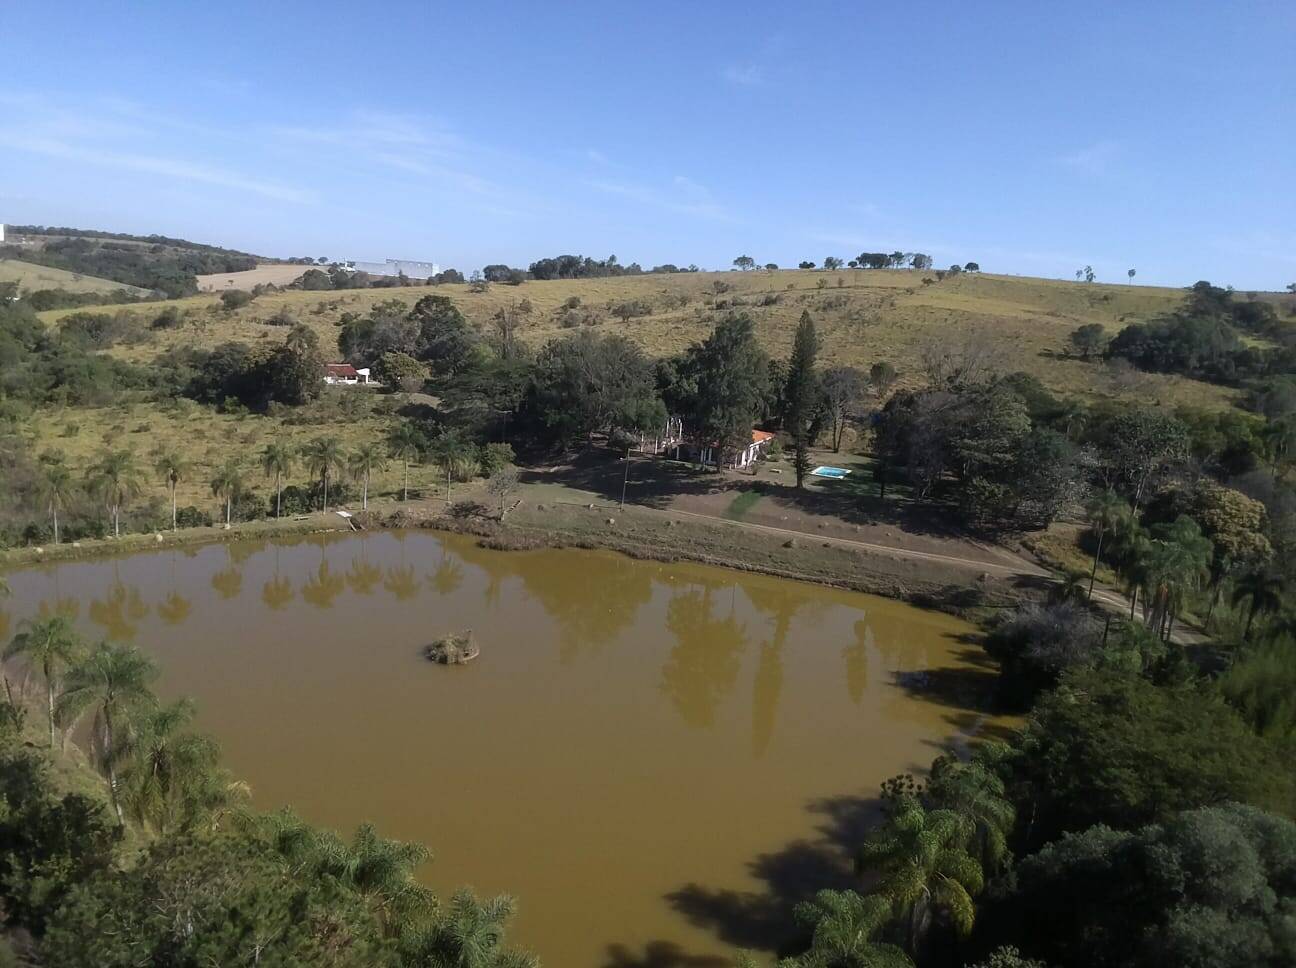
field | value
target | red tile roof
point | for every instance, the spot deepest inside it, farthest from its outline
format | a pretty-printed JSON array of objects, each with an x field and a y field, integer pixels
[
  {"x": 760, "y": 436},
  {"x": 340, "y": 369}
]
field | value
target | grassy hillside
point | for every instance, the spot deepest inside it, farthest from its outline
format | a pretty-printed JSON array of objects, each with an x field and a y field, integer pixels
[
  {"x": 871, "y": 316},
  {"x": 30, "y": 276},
  {"x": 149, "y": 262},
  {"x": 862, "y": 316}
]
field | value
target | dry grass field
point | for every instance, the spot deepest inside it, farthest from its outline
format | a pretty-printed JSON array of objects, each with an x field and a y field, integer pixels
[
  {"x": 269, "y": 275},
  {"x": 28, "y": 275},
  {"x": 863, "y": 316}
]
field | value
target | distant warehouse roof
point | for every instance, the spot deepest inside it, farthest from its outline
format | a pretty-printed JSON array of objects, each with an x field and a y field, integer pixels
[{"x": 394, "y": 267}]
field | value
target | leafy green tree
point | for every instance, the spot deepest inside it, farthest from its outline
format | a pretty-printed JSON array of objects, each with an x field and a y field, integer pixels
[
  {"x": 406, "y": 442},
  {"x": 116, "y": 480},
  {"x": 114, "y": 681},
  {"x": 51, "y": 842},
  {"x": 226, "y": 484},
  {"x": 200, "y": 899},
  {"x": 729, "y": 374},
  {"x": 590, "y": 383},
  {"x": 802, "y": 394},
  {"x": 277, "y": 462},
  {"x": 446, "y": 341},
  {"x": 1088, "y": 340},
  {"x": 744, "y": 262},
  {"x": 323, "y": 458},
  {"x": 1109, "y": 748},
  {"x": 296, "y": 369},
  {"x": 172, "y": 467},
  {"x": 1140, "y": 444},
  {"x": 362, "y": 462},
  {"x": 844, "y": 925},
  {"x": 1210, "y": 887},
  {"x": 1261, "y": 686},
  {"x": 52, "y": 645},
  {"x": 1263, "y": 589},
  {"x": 923, "y": 868},
  {"x": 469, "y": 934},
  {"x": 400, "y": 371},
  {"x": 54, "y": 488}
]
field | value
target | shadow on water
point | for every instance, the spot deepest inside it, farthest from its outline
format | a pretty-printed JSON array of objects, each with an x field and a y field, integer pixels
[
  {"x": 660, "y": 954},
  {"x": 763, "y": 919}
]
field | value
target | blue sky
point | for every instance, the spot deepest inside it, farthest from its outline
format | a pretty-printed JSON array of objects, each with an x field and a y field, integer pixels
[{"x": 1033, "y": 138}]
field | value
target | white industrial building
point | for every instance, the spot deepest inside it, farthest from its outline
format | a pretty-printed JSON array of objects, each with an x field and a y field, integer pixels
[{"x": 395, "y": 267}]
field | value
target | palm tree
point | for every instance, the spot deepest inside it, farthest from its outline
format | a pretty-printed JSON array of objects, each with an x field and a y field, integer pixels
[
  {"x": 55, "y": 489},
  {"x": 226, "y": 484},
  {"x": 322, "y": 456},
  {"x": 976, "y": 792},
  {"x": 1264, "y": 589},
  {"x": 173, "y": 468},
  {"x": 116, "y": 480},
  {"x": 1104, "y": 512},
  {"x": 173, "y": 778},
  {"x": 843, "y": 925},
  {"x": 924, "y": 867},
  {"x": 450, "y": 452},
  {"x": 277, "y": 462},
  {"x": 469, "y": 934},
  {"x": 362, "y": 462},
  {"x": 1179, "y": 560},
  {"x": 53, "y": 645},
  {"x": 1132, "y": 546},
  {"x": 406, "y": 443},
  {"x": 113, "y": 681}
]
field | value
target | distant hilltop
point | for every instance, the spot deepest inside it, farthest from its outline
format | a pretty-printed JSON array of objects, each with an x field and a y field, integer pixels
[{"x": 396, "y": 267}]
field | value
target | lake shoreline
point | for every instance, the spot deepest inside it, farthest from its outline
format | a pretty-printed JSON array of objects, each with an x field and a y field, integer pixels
[{"x": 639, "y": 533}]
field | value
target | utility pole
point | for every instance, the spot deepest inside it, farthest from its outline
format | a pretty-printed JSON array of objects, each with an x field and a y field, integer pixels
[{"x": 625, "y": 479}]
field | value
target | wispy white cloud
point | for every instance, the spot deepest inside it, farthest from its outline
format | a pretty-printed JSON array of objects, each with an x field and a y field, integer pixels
[
  {"x": 684, "y": 196},
  {"x": 743, "y": 75},
  {"x": 1096, "y": 159},
  {"x": 96, "y": 137}
]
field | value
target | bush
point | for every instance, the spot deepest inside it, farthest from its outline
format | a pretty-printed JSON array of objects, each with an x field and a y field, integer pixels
[
  {"x": 282, "y": 318},
  {"x": 192, "y": 517},
  {"x": 493, "y": 457},
  {"x": 169, "y": 318},
  {"x": 248, "y": 505},
  {"x": 232, "y": 299}
]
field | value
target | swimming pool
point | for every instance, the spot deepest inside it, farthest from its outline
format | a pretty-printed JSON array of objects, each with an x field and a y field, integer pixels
[{"x": 836, "y": 473}]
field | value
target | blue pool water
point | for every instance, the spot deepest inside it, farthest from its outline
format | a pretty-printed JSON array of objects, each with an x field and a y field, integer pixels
[{"x": 836, "y": 473}]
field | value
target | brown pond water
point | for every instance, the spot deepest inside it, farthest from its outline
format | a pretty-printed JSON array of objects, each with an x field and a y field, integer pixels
[{"x": 657, "y": 760}]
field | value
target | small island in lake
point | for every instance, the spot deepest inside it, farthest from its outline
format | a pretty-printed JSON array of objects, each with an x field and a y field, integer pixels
[{"x": 457, "y": 649}]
